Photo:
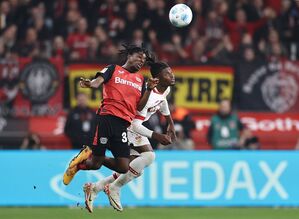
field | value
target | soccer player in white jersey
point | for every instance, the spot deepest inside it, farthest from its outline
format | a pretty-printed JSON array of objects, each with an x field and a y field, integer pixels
[{"x": 142, "y": 153}]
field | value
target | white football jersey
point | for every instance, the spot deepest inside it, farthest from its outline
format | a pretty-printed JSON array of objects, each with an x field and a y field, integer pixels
[{"x": 156, "y": 102}]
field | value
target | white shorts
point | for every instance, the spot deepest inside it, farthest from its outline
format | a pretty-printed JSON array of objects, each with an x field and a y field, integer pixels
[{"x": 136, "y": 140}]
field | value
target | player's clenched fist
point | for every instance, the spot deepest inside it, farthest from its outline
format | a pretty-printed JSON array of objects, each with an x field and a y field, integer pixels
[
  {"x": 152, "y": 83},
  {"x": 85, "y": 82},
  {"x": 163, "y": 139}
]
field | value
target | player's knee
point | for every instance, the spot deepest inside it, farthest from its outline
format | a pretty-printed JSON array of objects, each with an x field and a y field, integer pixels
[
  {"x": 97, "y": 165},
  {"x": 149, "y": 157},
  {"x": 123, "y": 169}
]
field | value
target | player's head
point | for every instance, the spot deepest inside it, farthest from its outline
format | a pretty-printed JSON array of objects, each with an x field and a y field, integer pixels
[
  {"x": 135, "y": 57},
  {"x": 162, "y": 71},
  {"x": 82, "y": 100},
  {"x": 225, "y": 107}
]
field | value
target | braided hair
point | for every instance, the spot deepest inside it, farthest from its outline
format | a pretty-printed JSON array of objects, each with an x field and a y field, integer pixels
[
  {"x": 155, "y": 66},
  {"x": 131, "y": 49}
]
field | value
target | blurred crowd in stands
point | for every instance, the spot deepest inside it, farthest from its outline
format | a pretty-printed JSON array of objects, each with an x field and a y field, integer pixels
[
  {"x": 80, "y": 30},
  {"x": 226, "y": 32}
]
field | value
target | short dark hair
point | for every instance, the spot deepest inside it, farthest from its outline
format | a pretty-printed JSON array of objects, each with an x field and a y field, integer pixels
[{"x": 155, "y": 66}]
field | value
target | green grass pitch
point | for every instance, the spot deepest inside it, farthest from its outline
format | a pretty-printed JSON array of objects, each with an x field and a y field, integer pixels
[{"x": 150, "y": 213}]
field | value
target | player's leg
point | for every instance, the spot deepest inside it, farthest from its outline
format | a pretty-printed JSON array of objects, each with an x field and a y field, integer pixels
[
  {"x": 90, "y": 158},
  {"x": 121, "y": 152},
  {"x": 144, "y": 157},
  {"x": 118, "y": 164},
  {"x": 136, "y": 166},
  {"x": 91, "y": 190}
]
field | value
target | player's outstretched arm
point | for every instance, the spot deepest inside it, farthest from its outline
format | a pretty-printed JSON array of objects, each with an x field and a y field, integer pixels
[
  {"x": 170, "y": 128},
  {"x": 142, "y": 130},
  {"x": 151, "y": 84},
  {"x": 87, "y": 83}
]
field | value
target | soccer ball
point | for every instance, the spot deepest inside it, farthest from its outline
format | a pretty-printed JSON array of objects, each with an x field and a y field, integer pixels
[{"x": 180, "y": 15}]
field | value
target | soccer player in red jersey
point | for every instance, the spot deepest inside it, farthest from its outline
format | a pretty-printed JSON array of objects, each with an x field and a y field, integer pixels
[
  {"x": 124, "y": 91},
  {"x": 142, "y": 154}
]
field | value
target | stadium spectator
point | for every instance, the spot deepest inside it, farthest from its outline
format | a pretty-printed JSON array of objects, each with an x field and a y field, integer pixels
[
  {"x": 93, "y": 49},
  {"x": 240, "y": 26},
  {"x": 10, "y": 37},
  {"x": 137, "y": 38},
  {"x": 59, "y": 49},
  {"x": 213, "y": 30},
  {"x": 5, "y": 17},
  {"x": 273, "y": 47},
  {"x": 124, "y": 21},
  {"x": 30, "y": 46},
  {"x": 2, "y": 49},
  {"x": 198, "y": 54},
  {"x": 224, "y": 52},
  {"x": 80, "y": 122},
  {"x": 226, "y": 130},
  {"x": 40, "y": 22},
  {"x": 78, "y": 41},
  {"x": 131, "y": 21}
]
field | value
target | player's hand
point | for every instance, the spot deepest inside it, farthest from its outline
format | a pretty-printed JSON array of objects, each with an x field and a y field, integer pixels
[
  {"x": 161, "y": 138},
  {"x": 171, "y": 133},
  {"x": 85, "y": 82},
  {"x": 152, "y": 83}
]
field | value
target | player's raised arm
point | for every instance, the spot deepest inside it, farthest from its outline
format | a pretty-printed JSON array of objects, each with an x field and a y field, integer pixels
[
  {"x": 139, "y": 128},
  {"x": 101, "y": 77},
  {"x": 151, "y": 84},
  {"x": 170, "y": 128},
  {"x": 87, "y": 83}
]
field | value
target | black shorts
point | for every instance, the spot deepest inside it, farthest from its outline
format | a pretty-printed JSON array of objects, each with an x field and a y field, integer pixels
[{"x": 111, "y": 134}]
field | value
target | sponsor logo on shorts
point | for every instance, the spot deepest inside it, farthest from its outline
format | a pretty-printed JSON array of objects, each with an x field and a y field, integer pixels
[{"x": 103, "y": 140}]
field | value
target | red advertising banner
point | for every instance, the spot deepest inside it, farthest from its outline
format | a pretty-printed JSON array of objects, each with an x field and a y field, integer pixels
[
  {"x": 31, "y": 87},
  {"x": 275, "y": 131}
]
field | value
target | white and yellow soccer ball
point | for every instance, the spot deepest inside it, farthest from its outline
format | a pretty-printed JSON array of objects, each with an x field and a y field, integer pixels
[{"x": 180, "y": 15}]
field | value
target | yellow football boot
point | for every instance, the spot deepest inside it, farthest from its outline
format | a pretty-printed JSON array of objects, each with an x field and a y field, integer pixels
[
  {"x": 82, "y": 156},
  {"x": 72, "y": 168},
  {"x": 69, "y": 174}
]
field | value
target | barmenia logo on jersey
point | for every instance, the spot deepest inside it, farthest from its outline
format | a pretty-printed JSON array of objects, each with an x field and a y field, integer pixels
[{"x": 126, "y": 82}]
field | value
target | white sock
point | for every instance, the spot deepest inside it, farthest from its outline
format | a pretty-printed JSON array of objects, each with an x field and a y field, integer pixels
[
  {"x": 99, "y": 186},
  {"x": 135, "y": 168}
]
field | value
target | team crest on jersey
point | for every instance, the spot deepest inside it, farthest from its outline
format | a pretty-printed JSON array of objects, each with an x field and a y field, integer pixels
[
  {"x": 138, "y": 79},
  {"x": 104, "y": 70},
  {"x": 138, "y": 139}
]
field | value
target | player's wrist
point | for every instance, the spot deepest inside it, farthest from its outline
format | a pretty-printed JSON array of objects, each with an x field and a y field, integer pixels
[{"x": 149, "y": 88}]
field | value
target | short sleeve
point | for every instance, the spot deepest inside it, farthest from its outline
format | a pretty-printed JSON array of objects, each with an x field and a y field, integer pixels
[
  {"x": 106, "y": 73},
  {"x": 164, "y": 109},
  {"x": 142, "y": 114}
]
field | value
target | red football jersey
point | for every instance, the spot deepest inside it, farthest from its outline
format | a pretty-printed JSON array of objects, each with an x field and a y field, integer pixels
[{"x": 121, "y": 93}]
